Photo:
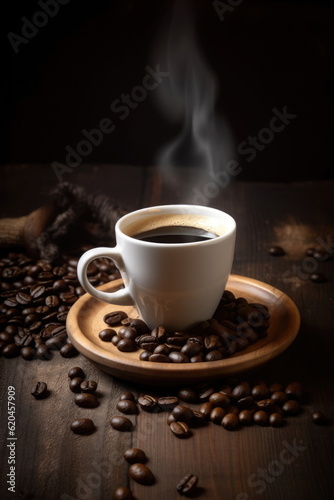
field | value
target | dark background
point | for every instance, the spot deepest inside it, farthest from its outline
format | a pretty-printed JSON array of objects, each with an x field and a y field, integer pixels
[{"x": 265, "y": 54}]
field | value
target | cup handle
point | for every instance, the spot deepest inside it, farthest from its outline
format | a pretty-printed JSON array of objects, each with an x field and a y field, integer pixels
[{"x": 121, "y": 297}]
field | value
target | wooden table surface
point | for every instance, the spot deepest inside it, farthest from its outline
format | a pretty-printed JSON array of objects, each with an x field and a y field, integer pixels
[{"x": 295, "y": 462}]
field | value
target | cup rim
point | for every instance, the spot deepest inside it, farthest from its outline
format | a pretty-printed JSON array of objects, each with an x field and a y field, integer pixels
[{"x": 176, "y": 208}]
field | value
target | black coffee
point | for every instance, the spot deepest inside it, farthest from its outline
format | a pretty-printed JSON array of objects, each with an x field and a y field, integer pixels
[{"x": 175, "y": 234}]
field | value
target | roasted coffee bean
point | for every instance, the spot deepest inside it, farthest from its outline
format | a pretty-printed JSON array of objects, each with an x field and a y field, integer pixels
[
  {"x": 147, "y": 402},
  {"x": 276, "y": 420},
  {"x": 219, "y": 399},
  {"x": 88, "y": 386},
  {"x": 145, "y": 355},
  {"x": 241, "y": 390},
  {"x": 141, "y": 474},
  {"x": 198, "y": 419},
  {"x": 126, "y": 345},
  {"x": 26, "y": 340},
  {"x": 127, "y": 407},
  {"x": 318, "y": 278},
  {"x": 126, "y": 332},
  {"x": 245, "y": 403},
  {"x": 76, "y": 371},
  {"x": 230, "y": 421},
  {"x": 68, "y": 351},
  {"x": 137, "y": 324},
  {"x": 122, "y": 493},
  {"x": 114, "y": 317},
  {"x": 135, "y": 455},
  {"x": 68, "y": 298},
  {"x": 205, "y": 393},
  {"x": 291, "y": 407},
  {"x": 162, "y": 349},
  {"x": 59, "y": 285},
  {"x": 159, "y": 358},
  {"x": 197, "y": 359},
  {"x": 128, "y": 396},
  {"x": 159, "y": 333},
  {"x": 279, "y": 397},
  {"x": 23, "y": 298},
  {"x": 170, "y": 419},
  {"x": 121, "y": 423},
  {"x": 275, "y": 387},
  {"x": 266, "y": 405},
  {"x": 294, "y": 390},
  {"x": 206, "y": 408},
  {"x": 39, "y": 390},
  {"x": 217, "y": 415},
  {"x": 261, "y": 391},
  {"x": 261, "y": 418},
  {"x": 188, "y": 395},
  {"x": 168, "y": 402},
  {"x": 276, "y": 251},
  {"x": 246, "y": 417},
  {"x": 187, "y": 485},
  {"x": 6, "y": 337},
  {"x": 320, "y": 255},
  {"x": 178, "y": 357},
  {"x": 115, "y": 339},
  {"x": 52, "y": 301},
  {"x": 11, "y": 350},
  {"x": 191, "y": 348},
  {"x": 83, "y": 426},
  {"x": 86, "y": 400},
  {"x": 75, "y": 383},
  {"x": 213, "y": 355},
  {"x": 180, "y": 429},
  {"x": 55, "y": 343},
  {"x": 27, "y": 353},
  {"x": 319, "y": 418},
  {"x": 42, "y": 310},
  {"x": 182, "y": 413}
]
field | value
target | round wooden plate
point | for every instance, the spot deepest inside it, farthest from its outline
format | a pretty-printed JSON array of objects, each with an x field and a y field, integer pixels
[{"x": 85, "y": 321}]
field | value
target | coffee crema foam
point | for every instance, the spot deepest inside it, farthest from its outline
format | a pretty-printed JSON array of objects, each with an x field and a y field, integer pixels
[{"x": 152, "y": 222}]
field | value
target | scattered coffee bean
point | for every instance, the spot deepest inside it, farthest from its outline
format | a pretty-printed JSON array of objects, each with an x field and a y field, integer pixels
[
  {"x": 183, "y": 413},
  {"x": 28, "y": 353},
  {"x": 86, "y": 400},
  {"x": 318, "y": 278},
  {"x": 68, "y": 351},
  {"x": 121, "y": 423},
  {"x": 148, "y": 403},
  {"x": 83, "y": 426},
  {"x": 180, "y": 429},
  {"x": 40, "y": 390},
  {"x": 261, "y": 418},
  {"x": 135, "y": 455},
  {"x": 276, "y": 420},
  {"x": 294, "y": 390},
  {"x": 279, "y": 397},
  {"x": 241, "y": 390},
  {"x": 217, "y": 415},
  {"x": 88, "y": 386},
  {"x": 230, "y": 421},
  {"x": 126, "y": 345},
  {"x": 188, "y": 395},
  {"x": 291, "y": 407},
  {"x": 168, "y": 402},
  {"x": 246, "y": 417},
  {"x": 122, "y": 493},
  {"x": 276, "y": 251},
  {"x": 127, "y": 407},
  {"x": 76, "y": 372},
  {"x": 127, "y": 395},
  {"x": 187, "y": 485},
  {"x": 319, "y": 418},
  {"x": 206, "y": 408},
  {"x": 75, "y": 384},
  {"x": 261, "y": 391},
  {"x": 11, "y": 350},
  {"x": 141, "y": 474}
]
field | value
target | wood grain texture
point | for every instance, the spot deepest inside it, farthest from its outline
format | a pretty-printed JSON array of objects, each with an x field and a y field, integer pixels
[{"x": 53, "y": 463}]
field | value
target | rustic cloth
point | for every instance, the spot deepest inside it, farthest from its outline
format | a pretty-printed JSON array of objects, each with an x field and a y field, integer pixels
[{"x": 81, "y": 219}]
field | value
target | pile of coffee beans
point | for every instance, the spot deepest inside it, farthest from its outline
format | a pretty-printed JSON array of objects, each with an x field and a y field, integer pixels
[
  {"x": 35, "y": 298},
  {"x": 235, "y": 325}
]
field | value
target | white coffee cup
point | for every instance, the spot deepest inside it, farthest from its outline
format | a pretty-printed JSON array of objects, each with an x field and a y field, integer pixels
[{"x": 175, "y": 285}]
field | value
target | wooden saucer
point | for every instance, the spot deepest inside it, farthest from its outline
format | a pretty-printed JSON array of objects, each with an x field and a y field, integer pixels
[{"x": 85, "y": 321}]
